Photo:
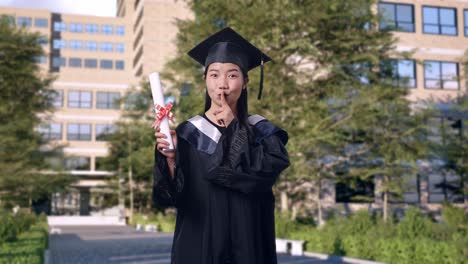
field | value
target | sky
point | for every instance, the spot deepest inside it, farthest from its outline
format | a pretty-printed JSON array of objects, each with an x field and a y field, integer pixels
[{"x": 82, "y": 7}]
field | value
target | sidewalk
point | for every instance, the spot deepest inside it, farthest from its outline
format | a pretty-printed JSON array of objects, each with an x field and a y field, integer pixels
[{"x": 122, "y": 244}]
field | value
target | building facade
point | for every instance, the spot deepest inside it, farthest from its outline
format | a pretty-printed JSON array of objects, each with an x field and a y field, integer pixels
[
  {"x": 96, "y": 61},
  {"x": 436, "y": 32}
]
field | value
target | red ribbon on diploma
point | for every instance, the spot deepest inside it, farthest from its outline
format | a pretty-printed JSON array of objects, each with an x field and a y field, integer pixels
[{"x": 161, "y": 113}]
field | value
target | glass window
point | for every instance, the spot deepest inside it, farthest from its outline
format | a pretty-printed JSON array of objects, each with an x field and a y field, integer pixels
[
  {"x": 59, "y": 43},
  {"x": 439, "y": 20},
  {"x": 106, "y": 64},
  {"x": 119, "y": 65},
  {"x": 106, "y": 46},
  {"x": 466, "y": 22},
  {"x": 41, "y": 22},
  {"x": 58, "y": 62},
  {"x": 74, "y": 62},
  {"x": 91, "y": 45},
  {"x": 8, "y": 19},
  {"x": 399, "y": 72},
  {"x": 75, "y": 44},
  {"x": 92, "y": 28},
  {"x": 107, "y": 100},
  {"x": 120, "y": 30},
  {"x": 60, "y": 26},
  {"x": 355, "y": 190},
  {"x": 107, "y": 29},
  {"x": 57, "y": 100},
  {"x": 80, "y": 99},
  {"x": 51, "y": 131},
  {"x": 410, "y": 192},
  {"x": 398, "y": 17},
  {"x": 103, "y": 131},
  {"x": 78, "y": 163},
  {"x": 79, "y": 132},
  {"x": 41, "y": 59},
  {"x": 43, "y": 41},
  {"x": 120, "y": 47},
  {"x": 90, "y": 63},
  {"x": 186, "y": 87},
  {"x": 23, "y": 21},
  {"x": 445, "y": 187},
  {"x": 76, "y": 27},
  {"x": 133, "y": 100},
  {"x": 440, "y": 75}
]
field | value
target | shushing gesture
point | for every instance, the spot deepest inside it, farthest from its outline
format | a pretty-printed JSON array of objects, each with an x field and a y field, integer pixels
[{"x": 223, "y": 113}]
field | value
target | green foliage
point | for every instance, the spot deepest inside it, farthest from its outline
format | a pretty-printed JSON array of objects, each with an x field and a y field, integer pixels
[
  {"x": 454, "y": 217},
  {"x": 323, "y": 86},
  {"x": 28, "y": 248},
  {"x": 7, "y": 228},
  {"x": 23, "y": 221},
  {"x": 132, "y": 148},
  {"x": 414, "y": 225},
  {"x": 25, "y": 94},
  {"x": 414, "y": 240}
]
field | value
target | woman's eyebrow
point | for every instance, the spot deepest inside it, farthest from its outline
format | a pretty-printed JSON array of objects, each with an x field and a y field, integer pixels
[{"x": 230, "y": 70}]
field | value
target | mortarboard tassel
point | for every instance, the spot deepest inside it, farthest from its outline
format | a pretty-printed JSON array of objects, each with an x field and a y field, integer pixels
[{"x": 261, "y": 80}]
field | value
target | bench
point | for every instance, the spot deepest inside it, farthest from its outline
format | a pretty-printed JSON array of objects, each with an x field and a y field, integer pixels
[
  {"x": 151, "y": 228},
  {"x": 290, "y": 246}
]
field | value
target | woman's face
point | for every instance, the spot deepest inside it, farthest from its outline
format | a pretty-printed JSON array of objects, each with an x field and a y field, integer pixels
[{"x": 227, "y": 79}]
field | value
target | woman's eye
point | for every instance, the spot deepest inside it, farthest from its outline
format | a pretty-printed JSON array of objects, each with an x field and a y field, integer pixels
[
  {"x": 232, "y": 76},
  {"x": 213, "y": 75}
]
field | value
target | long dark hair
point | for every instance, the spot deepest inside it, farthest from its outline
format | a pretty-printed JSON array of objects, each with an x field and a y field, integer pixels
[{"x": 242, "y": 103}]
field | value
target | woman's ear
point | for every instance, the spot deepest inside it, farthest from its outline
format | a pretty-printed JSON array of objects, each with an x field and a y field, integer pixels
[{"x": 245, "y": 84}]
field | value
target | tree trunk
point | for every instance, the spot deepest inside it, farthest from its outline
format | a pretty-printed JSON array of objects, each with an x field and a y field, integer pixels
[
  {"x": 130, "y": 183},
  {"x": 284, "y": 202},
  {"x": 319, "y": 203},
  {"x": 385, "y": 207},
  {"x": 130, "y": 174},
  {"x": 30, "y": 202}
]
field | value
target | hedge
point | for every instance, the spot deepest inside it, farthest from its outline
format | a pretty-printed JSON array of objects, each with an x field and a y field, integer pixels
[
  {"x": 28, "y": 244},
  {"x": 415, "y": 239}
]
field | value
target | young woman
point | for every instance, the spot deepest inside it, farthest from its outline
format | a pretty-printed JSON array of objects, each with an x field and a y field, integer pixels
[{"x": 220, "y": 176}]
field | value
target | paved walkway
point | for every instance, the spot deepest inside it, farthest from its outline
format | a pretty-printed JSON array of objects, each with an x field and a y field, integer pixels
[{"x": 111, "y": 244}]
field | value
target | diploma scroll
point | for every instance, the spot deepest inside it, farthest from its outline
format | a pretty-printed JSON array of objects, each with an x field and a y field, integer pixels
[{"x": 158, "y": 99}]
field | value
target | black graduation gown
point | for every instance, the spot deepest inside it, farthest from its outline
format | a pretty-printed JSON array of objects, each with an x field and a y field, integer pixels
[{"x": 222, "y": 191}]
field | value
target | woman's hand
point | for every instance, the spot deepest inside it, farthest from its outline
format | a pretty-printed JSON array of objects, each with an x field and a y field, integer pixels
[
  {"x": 223, "y": 114},
  {"x": 161, "y": 143}
]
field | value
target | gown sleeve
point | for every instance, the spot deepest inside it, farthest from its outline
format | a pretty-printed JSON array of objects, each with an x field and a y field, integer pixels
[
  {"x": 167, "y": 190},
  {"x": 248, "y": 165}
]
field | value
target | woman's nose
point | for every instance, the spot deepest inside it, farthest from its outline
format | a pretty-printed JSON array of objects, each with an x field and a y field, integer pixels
[{"x": 222, "y": 83}]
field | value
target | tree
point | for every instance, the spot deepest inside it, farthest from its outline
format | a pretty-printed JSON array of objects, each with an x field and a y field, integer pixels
[
  {"x": 132, "y": 148},
  {"x": 324, "y": 76},
  {"x": 25, "y": 94}
]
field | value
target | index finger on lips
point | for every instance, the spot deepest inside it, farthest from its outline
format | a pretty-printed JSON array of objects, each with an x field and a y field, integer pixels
[{"x": 223, "y": 99}]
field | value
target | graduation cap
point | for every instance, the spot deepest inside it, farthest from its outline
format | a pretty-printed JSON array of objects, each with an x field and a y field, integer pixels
[{"x": 227, "y": 46}]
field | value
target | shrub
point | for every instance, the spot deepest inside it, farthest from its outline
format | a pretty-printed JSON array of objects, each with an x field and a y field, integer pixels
[
  {"x": 454, "y": 217},
  {"x": 23, "y": 221},
  {"x": 414, "y": 225},
  {"x": 8, "y": 229},
  {"x": 283, "y": 224},
  {"x": 28, "y": 249},
  {"x": 359, "y": 224}
]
